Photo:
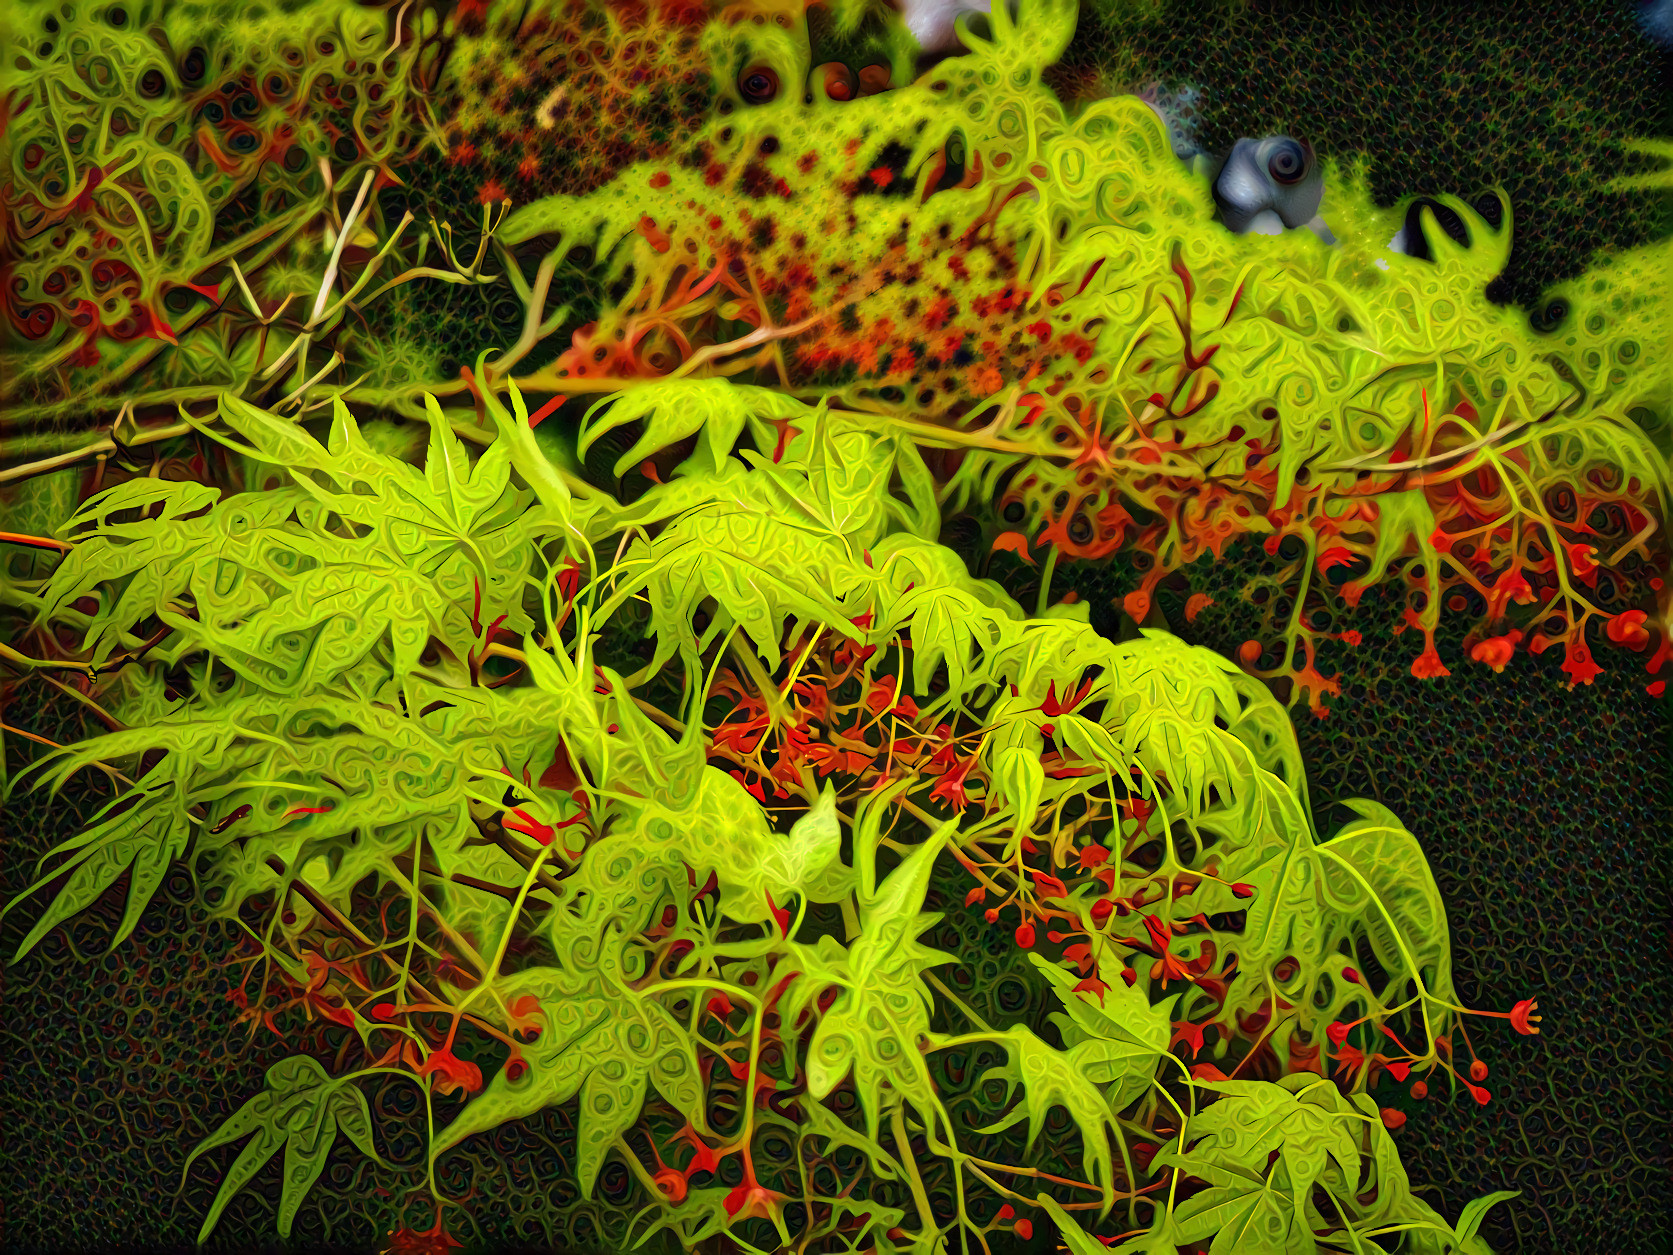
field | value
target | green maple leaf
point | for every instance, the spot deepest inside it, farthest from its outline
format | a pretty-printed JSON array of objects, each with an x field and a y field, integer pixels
[
  {"x": 879, "y": 1022},
  {"x": 1050, "y": 1076},
  {"x": 302, "y": 1109},
  {"x": 600, "y": 1042},
  {"x": 1117, "y": 1040}
]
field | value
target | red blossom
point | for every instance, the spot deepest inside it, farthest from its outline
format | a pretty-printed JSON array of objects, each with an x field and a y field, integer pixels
[
  {"x": 705, "y": 1160},
  {"x": 1511, "y": 586},
  {"x": 1349, "y": 1059},
  {"x": 1013, "y": 542},
  {"x": 1049, "y": 886},
  {"x": 1337, "y": 1032},
  {"x": 1580, "y": 560},
  {"x": 1428, "y": 665},
  {"x": 534, "y": 828},
  {"x": 1628, "y": 629},
  {"x": 1053, "y": 706},
  {"x": 749, "y": 1199},
  {"x": 1187, "y": 1033},
  {"x": 950, "y": 788},
  {"x": 1335, "y": 556},
  {"x": 1578, "y": 663},
  {"x": 569, "y": 580},
  {"x": 524, "y": 1015},
  {"x": 451, "y": 1072},
  {"x": 1522, "y": 1018},
  {"x": 1496, "y": 651}
]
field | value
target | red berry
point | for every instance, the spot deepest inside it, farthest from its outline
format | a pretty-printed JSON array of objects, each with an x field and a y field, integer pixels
[
  {"x": 1006, "y": 1212},
  {"x": 1420, "y": 1089},
  {"x": 1478, "y": 1071},
  {"x": 1243, "y": 891},
  {"x": 1101, "y": 911},
  {"x": 1025, "y": 936},
  {"x": 384, "y": 1011},
  {"x": 1025, "y": 1229},
  {"x": 1348, "y": 973},
  {"x": 991, "y": 915}
]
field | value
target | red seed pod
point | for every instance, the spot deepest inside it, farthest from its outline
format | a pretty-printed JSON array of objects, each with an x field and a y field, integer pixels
[
  {"x": 1243, "y": 891},
  {"x": 991, "y": 915},
  {"x": 1420, "y": 1089},
  {"x": 1101, "y": 911},
  {"x": 384, "y": 1011},
  {"x": 1025, "y": 936},
  {"x": 1393, "y": 1119},
  {"x": 1025, "y": 1229},
  {"x": 975, "y": 896},
  {"x": 1349, "y": 973},
  {"x": 1478, "y": 1071}
]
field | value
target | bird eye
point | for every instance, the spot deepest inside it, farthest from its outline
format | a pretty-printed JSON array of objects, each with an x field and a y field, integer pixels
[
  {"x": 1288, "y": 163},
  {"x": 758, "y": 85}
]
